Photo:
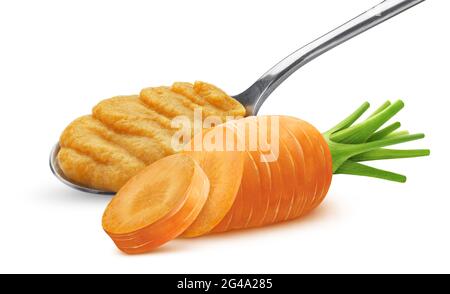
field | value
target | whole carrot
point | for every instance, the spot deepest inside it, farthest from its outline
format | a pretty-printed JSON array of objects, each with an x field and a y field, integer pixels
[{"x": 308, "y": 159}]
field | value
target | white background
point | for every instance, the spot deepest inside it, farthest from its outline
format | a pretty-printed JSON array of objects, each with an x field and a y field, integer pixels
[{"x": 59, "y": 58}]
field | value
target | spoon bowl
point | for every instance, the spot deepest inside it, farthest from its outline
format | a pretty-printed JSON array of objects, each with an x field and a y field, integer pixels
[{"x": 59, "y": 174}]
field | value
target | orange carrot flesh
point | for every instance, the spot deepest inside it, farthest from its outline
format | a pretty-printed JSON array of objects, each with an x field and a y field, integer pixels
[
  {"x": 224, "y": 170},
  {"x": 311, "y": 169},
  {"x": 152, "y": 208},
  {"x": 317, "y": 158},
  {"x": 243, "y": 208},
  {"x": 297, "y": 178},
  {"x": 275, "y": 194},
  {"x": 225, "y": 223},
  {"x": 261, "y": 198},
  {"x": 248, "y": 194},
  {"x": 296, "y": 154},
  {"x": 287, "y": 174},
  {"x": 326, "y": 164},
  {"x": 251, "y": 191}
]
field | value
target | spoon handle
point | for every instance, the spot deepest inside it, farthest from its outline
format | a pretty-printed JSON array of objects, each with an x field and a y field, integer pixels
[{"x": 254, "y": 97}]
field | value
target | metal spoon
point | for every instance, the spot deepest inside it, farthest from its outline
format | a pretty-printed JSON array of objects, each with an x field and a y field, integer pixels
[{"x": 256, "y": 94}]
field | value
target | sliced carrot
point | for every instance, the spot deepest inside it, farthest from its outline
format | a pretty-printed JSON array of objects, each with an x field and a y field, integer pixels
[
  {"x": 308, "y": 162},
  {"x": 275, "y": 193},
  {"x": 258, "y": 197},
  {"x": 249, "y": 193},
  {"x": 250, "y": 190},
  {"x": 288, "y": 178},
  {"x": 324, "y": 165},
  {"x": 281, "y": 188},
  {"x": 296, "y": 152},
  {"x": 297, "y": 180},
  {"x": 261, "y": 179},
  {"x": 236, "y": 212},
  {"x": 157, "y": 205},
  {"x": 224, "y": 170},
  {"x": 304, "y": 133},
  {"x": 252, "y": 201},
  {"x": 225, "y": 223},
  {"x": 266, "y": 186},
  {"x": 247, "y": 202},
  {"x": 252, "y": 205}
]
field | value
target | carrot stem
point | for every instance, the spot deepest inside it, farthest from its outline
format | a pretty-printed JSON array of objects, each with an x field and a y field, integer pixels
[
  {"x": 381, "y": 108},
  {"x": 364, "y": 147},
  {"x": 348, "y": 121},
  {"x": 350, "y": 144},
  {"x": 384, "y": 132},
  {"x": 361, "y": 132},
  {"x": 358, "y": 169},
  {"x": 397, "y": 134},
  {"x": 380, "y": 154}
]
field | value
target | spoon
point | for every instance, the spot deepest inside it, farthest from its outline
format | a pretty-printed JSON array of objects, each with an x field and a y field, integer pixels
[{"x": 256, "y": 94}]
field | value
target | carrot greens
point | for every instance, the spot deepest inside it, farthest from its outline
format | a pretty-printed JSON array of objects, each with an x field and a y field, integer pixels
[{"x": 351, "y": 143}]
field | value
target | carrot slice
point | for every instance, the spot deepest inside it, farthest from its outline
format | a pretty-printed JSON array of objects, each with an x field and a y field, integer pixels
[
  {"x": 282, "y": 197},
  {"x": 304, "y": 134},
  {"x": 265, "y": 181},
  {"x": 244, "y": 210},
  {"x": 258, "y": 176},
  {"x": 248, "y": 202},
  {"x": 157, "y": 205},
  {"x": 276, "y": 192},
  {"x": 225, "y": 223},
  {"x": 296, "y": 152},
  {"x": 224, "y": 169},
  {"x": 258, "y": 203},
  {"x": 289, "y": 180},
  {"x": 252, "y": 202},
  {"x": 324, "y": 161}
]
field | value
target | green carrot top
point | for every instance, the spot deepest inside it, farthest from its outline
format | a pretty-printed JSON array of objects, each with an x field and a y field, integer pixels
[{"x": 352, "y": 143}]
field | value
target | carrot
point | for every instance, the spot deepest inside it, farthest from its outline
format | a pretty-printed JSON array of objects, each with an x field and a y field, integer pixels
[
  {"x": 318, "y": 162},
  {"x": 298, "y": 181},
  {"x": 286, "y": 196},
  {"x": 153, "y": 208},
  {"x": 247, "y": 191}
]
